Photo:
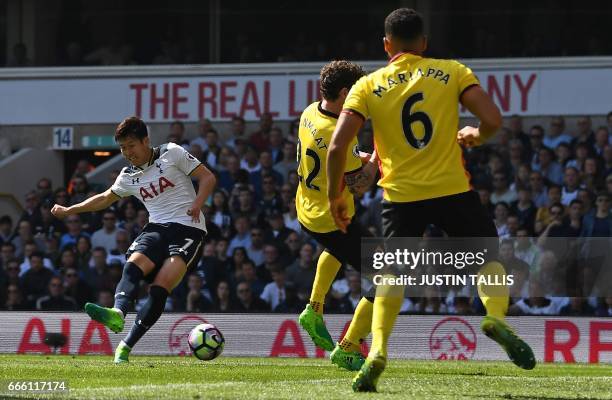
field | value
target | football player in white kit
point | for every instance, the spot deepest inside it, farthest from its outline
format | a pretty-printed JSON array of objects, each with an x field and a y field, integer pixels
[{"x": 172, "y": 241}]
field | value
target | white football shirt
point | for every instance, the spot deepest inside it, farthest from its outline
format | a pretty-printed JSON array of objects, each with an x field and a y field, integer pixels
[{"x": 163, "y": 186}]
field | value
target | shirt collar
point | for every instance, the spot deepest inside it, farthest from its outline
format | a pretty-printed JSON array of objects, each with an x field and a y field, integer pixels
[
  {"x": 401, "y": 55},
  {"x": 326, "y": 113}
]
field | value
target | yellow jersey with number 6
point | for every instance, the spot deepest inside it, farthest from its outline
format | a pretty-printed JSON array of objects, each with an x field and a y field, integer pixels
[
  {"x": 413, "y": 103},
  {"x": 316, "y": 128}
]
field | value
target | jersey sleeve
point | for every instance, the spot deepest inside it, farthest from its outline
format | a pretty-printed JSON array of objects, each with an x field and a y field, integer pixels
[
  {"x": 357, "y": 98},
  {"x": 466, "y": 77},
  {"x": 119, "y": 187},
  {"x": 353, "y": 161},
  {"x": 182, "y": 158}
]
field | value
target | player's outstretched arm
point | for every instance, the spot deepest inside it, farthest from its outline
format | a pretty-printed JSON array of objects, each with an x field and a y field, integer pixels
[
  {"x": 94, "y": 203},
  {"x": 206, "y": 184},
  {"x": 479, "y": 103},
  {"x": 346, "y": 129}
]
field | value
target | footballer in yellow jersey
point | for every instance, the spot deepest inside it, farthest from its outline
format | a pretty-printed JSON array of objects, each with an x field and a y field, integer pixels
[
  {"x": 316, "y": 128},
  {"x": 413, "y": 104},
  {"x": 317, "y": 124}
]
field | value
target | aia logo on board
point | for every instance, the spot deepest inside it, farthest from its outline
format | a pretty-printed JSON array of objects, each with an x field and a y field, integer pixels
[
  {"x": 452, "y": 338},
  {"x": 177, "y": 340}
]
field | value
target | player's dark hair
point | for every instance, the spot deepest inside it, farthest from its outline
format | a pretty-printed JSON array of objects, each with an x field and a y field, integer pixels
[
  {"x": 131, "y": 127},
  {"x": 337, "y": 75},
  {"x": 404, "y": 24}
]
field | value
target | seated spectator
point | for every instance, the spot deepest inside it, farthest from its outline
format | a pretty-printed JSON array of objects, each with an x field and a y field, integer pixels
[
  {"x": 223, "y": 301},
  {"x": 585, "y": 133},
  {"x": 6, "y": 229},
  {"x": 107, "y": 235},
  {"x": 83, "y": 253},
  {"x": 256, "y": 250},
  {"x": 14, "y": 299},
  {"x": 288, "y": 161},
  {"x": 56, "y": 300},
  {"x": 233, "y": 174},
  {"x": 577, "y": 307},
  {"x": 204, "y": 125},
  {"x": 25, "y": 235},
  {"x": 501, "y": 219},
  {"x": 549, "y": 168},
  {"x": 211, "y": 154},
  {"x": 267, "y": 169},
  {"x": 260, "y": 139},
  {"x": 249, "y": 275},
  {"x": 10, "y": 273},
  {"x": 177, "y": 130},
  {"x": 582, "y": 152},
  {"x": 543, "y": 217},
  {"x": 31, "y": 212},
  {"x": 563, "y": 152},
  {"x": 250, "y": 162},
  {"x": 196, "y": 300},
  {"x": 556, "y": 133},
  {"x": 290, "y": 218},
  {"x": 76, "y": 288},
  {"x": 524, "y": 208},
  {"x": 538, "y": 189},
  {"x": 29, "y": 249},
  {"x": 247, "y": 302},
  {"x": 36, "y": 280},
  {"x": 570, "y": 185},
  {"x": 270, "y": 201},
  {"x": 242, "y": 238},
  {"x": 599, "y": 223},
  {"x": 68, "y": 259},
  {"x": 48, "y": 225},
  {"x": 274, "y": 292},
  {"x": 122, "y": 245},
  {"x": 277, "y": 232},
  {"x": 602, "y": 140},
  {"x": 98, "y": 276},
  {"x": 349, "y": 301},
  {"x": 276, "y": 145},
  {"x": 524, "y": 248},
  {"x": 75, "y": 230},
  {"x": 537, "y": 303},
  {"x": 292, "y": 303},
  {"x": 242, "y": 204},
  {"x": 237, "y": 131},
  {"x": 302, "y": 271}
]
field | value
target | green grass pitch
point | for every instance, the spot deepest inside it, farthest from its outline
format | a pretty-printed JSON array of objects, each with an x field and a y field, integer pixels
[{"x": 96, "y": 377}]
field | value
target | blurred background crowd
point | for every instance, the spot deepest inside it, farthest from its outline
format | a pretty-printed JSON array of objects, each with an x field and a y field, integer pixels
[{"x": 538, "y": 182}]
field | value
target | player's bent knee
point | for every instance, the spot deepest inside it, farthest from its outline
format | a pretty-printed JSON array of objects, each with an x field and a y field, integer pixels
[{"x": 143, "y": 262}]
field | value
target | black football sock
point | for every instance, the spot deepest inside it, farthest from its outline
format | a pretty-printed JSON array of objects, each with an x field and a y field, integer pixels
[
  {"x": 148, "y": 315},
  {"x": 127, "y": 288}
]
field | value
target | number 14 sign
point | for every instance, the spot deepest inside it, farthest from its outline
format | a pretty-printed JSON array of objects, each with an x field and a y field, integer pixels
[{"x": 63, "y": 138}]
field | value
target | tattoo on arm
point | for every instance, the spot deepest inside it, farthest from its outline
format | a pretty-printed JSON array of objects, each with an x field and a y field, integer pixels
[{"x": 358, "y": 182}]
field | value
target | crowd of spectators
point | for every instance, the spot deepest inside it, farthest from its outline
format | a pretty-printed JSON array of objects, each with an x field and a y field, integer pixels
[{"x": 538, "y": 183}]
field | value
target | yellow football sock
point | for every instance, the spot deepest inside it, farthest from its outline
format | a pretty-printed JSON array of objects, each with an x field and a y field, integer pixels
[
  {"x": 327, "y": 269},
  {"x": 387, "y": 305},
  {"x": 360, "y": 326},
  {"x": 494, "y": 297}
]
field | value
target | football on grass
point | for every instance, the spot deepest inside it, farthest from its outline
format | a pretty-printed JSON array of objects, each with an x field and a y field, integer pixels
[{"x": 206, "y": 341}]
